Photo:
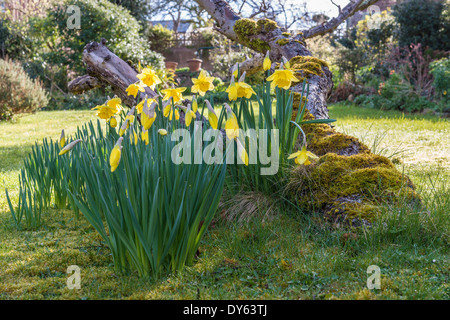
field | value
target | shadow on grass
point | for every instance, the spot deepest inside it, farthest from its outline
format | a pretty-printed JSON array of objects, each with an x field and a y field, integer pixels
[{"x": 11, "y": 158}]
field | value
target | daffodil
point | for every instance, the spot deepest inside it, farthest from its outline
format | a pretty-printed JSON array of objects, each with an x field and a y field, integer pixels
[
  {"x": 194, "y": 104},
  {"x": 116, "y": 153},
  {"x": 202, "y": 84},
  {"x": 234, "y": 70},
  {"x": 301, "y": 157},
  {"x": 282, "y": 79},
  {"x": 113, "y": 122},
  {"x": 189, "y": 115},
  {"x": 148, "y": 115},
  {"x": 232, "y": 91},
  {"x": 231, "y": 125},
  {"x": 130, "y": 115},
  {"x": 286, "y": 63},
  {"x": 242, "y": 152},
  {"x": 212, "y": 117},
  {"x": 116, "y": 104},
  {"x": 104, "y": 112},
  {"x": 62, "y": 139},
  {"x": 134, "y": 88},
  {"x": 149, "y": 78},
  {"x": 175, "y": 94},
  {"x": 124, "y": 127},
  {"x": 141, "y": 104},
  {"x": 69, "y": 147},
  {"x": 144, "y": 136},
  {"x": 162, "y": 132},
  {"x": 267, "y": 63},
  {"x": 169, "y": 112},
  {"x": 239, "y": 89}
]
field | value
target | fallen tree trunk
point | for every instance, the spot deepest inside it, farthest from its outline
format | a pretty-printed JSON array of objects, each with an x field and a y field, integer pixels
[{"x": 104, "y": 68}]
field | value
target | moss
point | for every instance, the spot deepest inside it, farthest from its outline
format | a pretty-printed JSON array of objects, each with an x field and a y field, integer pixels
[
  {"x": 287, "y": 34},
  {"x": 350, "y": 187},
  {"x": 247, "y": 30},
  {"x": 304, "y": 59},
  {"x": 303, "y": 43},
  {"x": 282, "y": 42},
  {"x": 307, "y": 66}
]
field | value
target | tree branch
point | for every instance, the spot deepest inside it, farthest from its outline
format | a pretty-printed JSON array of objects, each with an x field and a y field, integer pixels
[{"x": 349, "y": 10}]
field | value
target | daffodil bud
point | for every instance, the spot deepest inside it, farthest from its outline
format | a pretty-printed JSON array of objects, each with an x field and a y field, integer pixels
[
  {"x": 123, "y": 128},
  {"x": 69, "y": 147},
  {"x": 267, "y": 63},
  {"x": 194, "y": 104},
  {"x": 113, "y": 122},
  {"x": 162, "y": 132},
  {"x": 234, "y": 70},
  {"x": 287, "y": 65},
  {"x": 116, "y": 153},
  {"x": 212, "y": 117},
  {"x": 62, "y": 139},
  {"x": 242, "y": 153}
]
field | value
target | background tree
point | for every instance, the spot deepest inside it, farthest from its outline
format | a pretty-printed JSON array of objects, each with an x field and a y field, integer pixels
[{"x": 425, "y": 22}]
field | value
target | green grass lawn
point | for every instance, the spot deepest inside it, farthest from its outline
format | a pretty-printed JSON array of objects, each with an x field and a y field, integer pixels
[{"x": 287, "y": 255}]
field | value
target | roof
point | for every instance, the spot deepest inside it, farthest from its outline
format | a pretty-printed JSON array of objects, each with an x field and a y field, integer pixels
[{"x": 183, "y": 27}]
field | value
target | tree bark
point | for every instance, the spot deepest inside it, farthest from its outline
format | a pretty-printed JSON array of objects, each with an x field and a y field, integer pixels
[{"x": 107, "y": 69}]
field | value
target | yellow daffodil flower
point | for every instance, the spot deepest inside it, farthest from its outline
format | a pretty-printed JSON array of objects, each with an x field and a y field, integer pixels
[
  {"x": 231, "y": 125},
  {"x": 134, "y": 88},
  {"x": 175, "y": 94},
  {"x": 116, "y": 104},
  {"x": 267, "y": 63},
  {"x": 116, "y": 153},
  {"x": 202, "y": 84},
  {"x": 301, "y": 157},
  {"x": 232, "y": 92},
  {"x": 149, "y": 78},
  {"x": 104, "y": 112},
  {"x": 189, "y": 115},
  {"x": 69, "y": 147},
  {"x": 212, "y": 117},
  {"x": 234, "y": 70},
  {"x": 162, "y": 132},
  {"x": 239, "y": 89},
  {"x": 62, "y": 139},
  {"x": 242, "y": 152},
  {"x": 282, "y": 79},
  {"x": 244, "y": 90}
]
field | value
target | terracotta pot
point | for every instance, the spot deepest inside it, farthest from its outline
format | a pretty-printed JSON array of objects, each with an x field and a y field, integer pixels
[
  {"x": 171, "y": 65},
  {"x": 194, "y": 64}
]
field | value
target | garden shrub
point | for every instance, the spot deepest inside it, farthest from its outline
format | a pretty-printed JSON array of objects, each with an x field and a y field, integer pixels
[
  {"x": 59, "y": 58},
  {"x": 159, "y": 37},
  {"x": 18, "y": 93},
  {"x": 440, "y": 70}
]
